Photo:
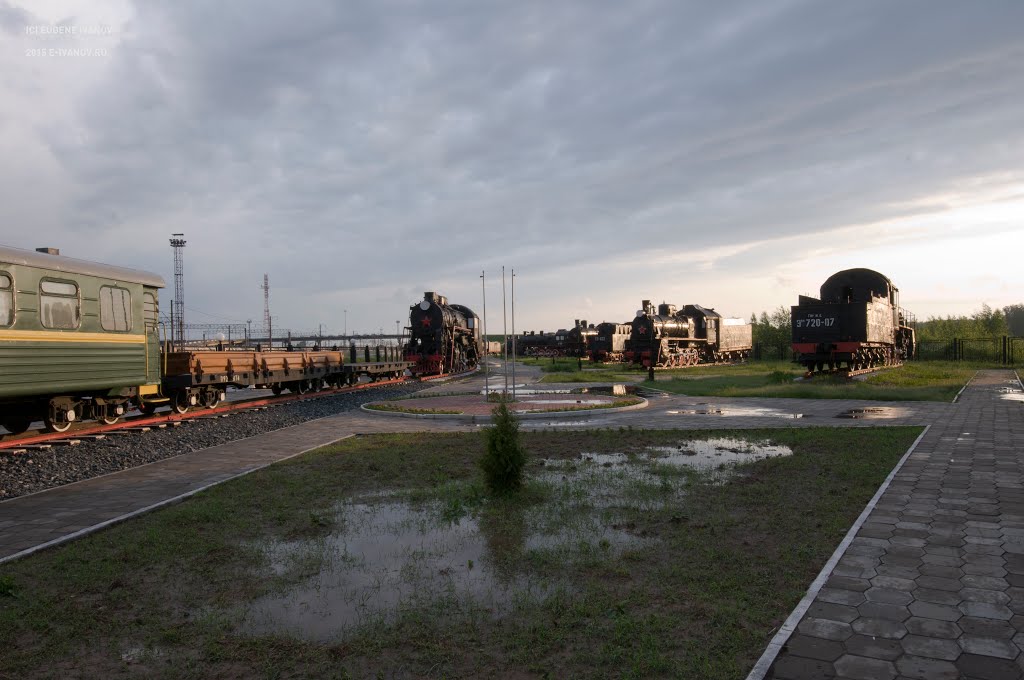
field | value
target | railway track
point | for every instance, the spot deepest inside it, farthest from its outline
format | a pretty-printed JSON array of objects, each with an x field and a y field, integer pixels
[{"x": 36, "y": 441}]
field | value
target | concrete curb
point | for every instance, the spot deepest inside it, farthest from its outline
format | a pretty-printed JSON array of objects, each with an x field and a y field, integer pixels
[{"x": 472, "y": 418}]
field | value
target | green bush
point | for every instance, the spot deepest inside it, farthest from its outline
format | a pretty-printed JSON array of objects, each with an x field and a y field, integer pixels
[{"x": 505, "y": 458}]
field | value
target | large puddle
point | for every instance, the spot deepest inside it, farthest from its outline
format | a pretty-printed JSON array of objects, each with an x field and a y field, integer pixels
[
  {"x": 388, "y": 557},
  {"x": 736, "y": 411}
]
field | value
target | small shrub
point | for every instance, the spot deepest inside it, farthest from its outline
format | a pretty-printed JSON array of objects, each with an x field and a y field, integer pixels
[{"x": 505, "y": 458}]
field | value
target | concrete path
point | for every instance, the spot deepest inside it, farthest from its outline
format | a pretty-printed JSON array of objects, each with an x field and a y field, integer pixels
[{"x": 932, "y": 586}]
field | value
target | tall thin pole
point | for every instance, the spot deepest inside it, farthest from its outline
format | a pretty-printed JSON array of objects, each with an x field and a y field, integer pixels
[
  {"x": 513, "y": 335},
  {"x": 504, "y": 320},
  {"x": 483, "y": 289}
]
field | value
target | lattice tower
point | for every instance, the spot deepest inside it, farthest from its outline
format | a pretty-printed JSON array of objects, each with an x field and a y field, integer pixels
[{"x": 179, "y": 286}]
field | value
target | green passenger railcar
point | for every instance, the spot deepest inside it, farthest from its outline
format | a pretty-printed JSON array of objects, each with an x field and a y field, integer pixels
[{"x": 78, "y": 339}]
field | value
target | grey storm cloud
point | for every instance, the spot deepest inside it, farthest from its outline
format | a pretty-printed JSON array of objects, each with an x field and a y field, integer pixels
[{"x": 402, "y": 143}]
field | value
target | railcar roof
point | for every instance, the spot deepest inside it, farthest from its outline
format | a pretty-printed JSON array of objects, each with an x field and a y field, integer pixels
[{"x": 70, "y": 265}]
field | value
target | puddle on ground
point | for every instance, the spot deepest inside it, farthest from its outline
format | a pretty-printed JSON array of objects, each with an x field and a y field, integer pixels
[
  {"x": 872, "y": 412},
  {"x": 526, "y": 392},
  {"x": 747, "y": 411},
  {"x": 1011, "y": 394},
  {"x": 566, "y": 402},
  {"x": 619, "y": 480},
  {"x": 711, "y": 454},
  {"x": 391, "y": 557}
]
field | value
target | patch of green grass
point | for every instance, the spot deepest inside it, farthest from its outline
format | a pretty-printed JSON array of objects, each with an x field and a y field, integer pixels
[
  {"x": 714, "y": 572},
  {"x": 914, "y": 381}
]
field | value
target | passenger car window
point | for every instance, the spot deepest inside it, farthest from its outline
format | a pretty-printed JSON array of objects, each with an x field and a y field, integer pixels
[
  {"x": 59, "y": 306},
  {"x": 115, "y": 309},
  {"x": 151, "y": 309},
  {"x": 6, "y": 300}
]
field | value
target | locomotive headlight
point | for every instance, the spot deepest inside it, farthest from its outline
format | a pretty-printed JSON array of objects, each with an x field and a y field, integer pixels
[
  {"x": 640, "y": 313},
  {"x": 424, "y": 305}
]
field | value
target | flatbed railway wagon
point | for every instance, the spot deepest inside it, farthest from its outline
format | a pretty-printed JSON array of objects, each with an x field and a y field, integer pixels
[
  {"x": 694, "y": 335},
  {"x": 856, "y": 324},
  {"x": 78, "y": 339}
]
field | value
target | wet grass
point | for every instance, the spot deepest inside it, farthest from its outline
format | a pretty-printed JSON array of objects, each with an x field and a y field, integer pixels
[
  {"x": 914, "y": 381},
  {"x": 717, "y": 569}
]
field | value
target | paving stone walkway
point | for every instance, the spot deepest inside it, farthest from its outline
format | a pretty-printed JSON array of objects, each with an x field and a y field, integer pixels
[{"x": 932, "y": 586}]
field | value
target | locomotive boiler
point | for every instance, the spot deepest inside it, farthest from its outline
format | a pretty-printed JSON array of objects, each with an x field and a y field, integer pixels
[
  {"x": 856, "y": 324},
  {"x": 669, "y": 337},
  {"x": 443, "y": 338}
]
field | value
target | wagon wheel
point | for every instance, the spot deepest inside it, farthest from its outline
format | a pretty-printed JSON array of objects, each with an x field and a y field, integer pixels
[
  {"x": 16, "y": 424},
  {"x": 300, "y": 387},
  {"x": 180, "y": 402},
  {"x": 55, "y": 419},
  {"x": 211, "y": 399},
  {"x": 108, "y": 419}
]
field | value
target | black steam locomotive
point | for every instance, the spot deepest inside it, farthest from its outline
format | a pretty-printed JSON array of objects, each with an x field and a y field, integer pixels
[
  {"x": 856, "y": 323},
  {"x": 443, "y": 338},
  {"x": 609, "y": 343},
  {"x": 694, "y": 335}
]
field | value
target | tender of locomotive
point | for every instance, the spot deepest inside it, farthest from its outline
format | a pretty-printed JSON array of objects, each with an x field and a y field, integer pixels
[
  {"x": 443, "y": 338},
  {"x": 669, "y": 337},
  {"x": 856, "y": 324},
  {"x": 77, "y": 339},
  {"x": 609, "y": 343},
  {"x": 578, "y": 339}
]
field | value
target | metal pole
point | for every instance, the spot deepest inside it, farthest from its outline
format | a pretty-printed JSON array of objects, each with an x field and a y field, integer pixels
[
  {"x": 504, "y": 320},
  {"x": 483, "y": 289},
  {"x": 513, "y": 335},
  {"x": 346, "y": 322}
]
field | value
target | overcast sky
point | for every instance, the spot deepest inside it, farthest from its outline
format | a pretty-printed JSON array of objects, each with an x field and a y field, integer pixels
[{"x": 732, "y": 155}]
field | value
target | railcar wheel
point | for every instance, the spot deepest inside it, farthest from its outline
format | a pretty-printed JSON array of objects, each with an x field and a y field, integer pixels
[
  {"x": 181, "y": 402},
  {"x": 300, "y": 387},
  {"x": 108, "y": 420},
  {"x": 16, "y": 424},
  {"x": 57, "y": 420},
  {"x": 211, "y": 399}
]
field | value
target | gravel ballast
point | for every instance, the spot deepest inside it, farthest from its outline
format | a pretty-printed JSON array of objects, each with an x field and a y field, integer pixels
[{"x": 26, "y": 473}]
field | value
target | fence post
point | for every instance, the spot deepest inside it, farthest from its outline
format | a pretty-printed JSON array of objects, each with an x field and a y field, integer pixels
[
  {"x": 352, "y": 353},
  {"x": 1004, "y": 351}
]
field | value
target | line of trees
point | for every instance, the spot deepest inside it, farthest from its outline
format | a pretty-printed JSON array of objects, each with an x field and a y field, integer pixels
[
  {"x": 985, "y": 323},
  {"x": 773, "y": 329}
]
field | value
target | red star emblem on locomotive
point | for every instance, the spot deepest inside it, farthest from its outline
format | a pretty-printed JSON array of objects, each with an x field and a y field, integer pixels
[
  {"x": 425, "y": 321},
  {"x": 642, "y": 330}
]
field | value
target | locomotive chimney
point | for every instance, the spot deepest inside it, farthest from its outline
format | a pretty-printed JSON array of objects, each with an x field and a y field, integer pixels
[
  {"x": 49, "y": 251},
  {"x": 646, "y": 305}
]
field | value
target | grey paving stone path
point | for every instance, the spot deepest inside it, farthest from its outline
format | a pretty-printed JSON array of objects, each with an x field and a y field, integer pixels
[{"x": 932, "y": 586}]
